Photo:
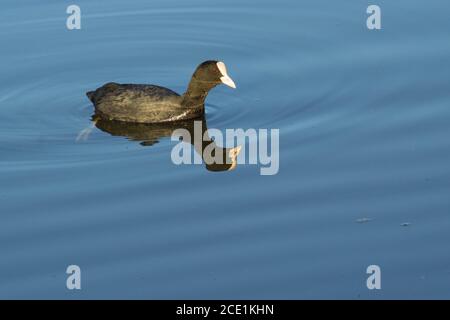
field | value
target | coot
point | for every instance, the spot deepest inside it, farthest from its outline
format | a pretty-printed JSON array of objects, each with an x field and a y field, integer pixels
[{"x": 154, "y": 104}]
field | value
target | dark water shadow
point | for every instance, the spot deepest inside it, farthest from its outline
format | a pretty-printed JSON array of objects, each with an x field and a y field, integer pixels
[{"x": 215, "y": 158}]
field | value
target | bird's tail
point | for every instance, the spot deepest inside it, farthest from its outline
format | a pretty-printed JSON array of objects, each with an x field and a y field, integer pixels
[{"x": 90, "y": 95}]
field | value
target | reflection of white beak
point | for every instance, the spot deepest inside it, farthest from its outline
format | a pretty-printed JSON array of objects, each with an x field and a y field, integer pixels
[
  {"x": 234, "y": 152},
  {"x": 225, "y": 77}
]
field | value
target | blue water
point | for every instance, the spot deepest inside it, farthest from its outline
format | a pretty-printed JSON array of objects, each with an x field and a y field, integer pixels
[{"x": 364, "y": 179}]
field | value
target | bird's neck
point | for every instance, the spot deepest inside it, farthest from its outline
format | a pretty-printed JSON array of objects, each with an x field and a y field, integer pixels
[{"x": 196, "y": 93}]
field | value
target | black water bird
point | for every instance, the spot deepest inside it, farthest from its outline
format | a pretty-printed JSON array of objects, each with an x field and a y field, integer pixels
[{"x": 144, "y": 103}]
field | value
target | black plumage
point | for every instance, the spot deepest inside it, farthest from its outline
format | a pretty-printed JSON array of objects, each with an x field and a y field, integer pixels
[{"x": 153, "y": 104}]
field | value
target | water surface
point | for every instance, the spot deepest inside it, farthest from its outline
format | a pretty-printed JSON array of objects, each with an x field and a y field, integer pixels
[{"x": 364, "y": 119}]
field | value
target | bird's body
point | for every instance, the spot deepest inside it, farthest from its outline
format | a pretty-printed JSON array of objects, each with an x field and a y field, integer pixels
[
  {"x": 154, "y": 104},
  {"x": 141, "y": 103}
]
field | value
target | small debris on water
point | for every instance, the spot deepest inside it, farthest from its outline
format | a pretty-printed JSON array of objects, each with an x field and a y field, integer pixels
[{"x": 405, "y": 224}]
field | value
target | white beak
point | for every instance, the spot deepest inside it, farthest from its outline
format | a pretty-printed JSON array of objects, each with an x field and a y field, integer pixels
[
  {"x": 228, "y": 81},
  {"x": 225, "y": 77}
]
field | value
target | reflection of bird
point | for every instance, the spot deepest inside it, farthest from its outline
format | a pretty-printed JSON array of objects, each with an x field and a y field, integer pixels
[
  {"x": 151, "y": 133},
  {"x": 152, "y": 104}
]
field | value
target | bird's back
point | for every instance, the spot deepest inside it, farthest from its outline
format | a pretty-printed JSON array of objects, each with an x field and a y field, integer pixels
[{"x": 137, "y": 102}]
